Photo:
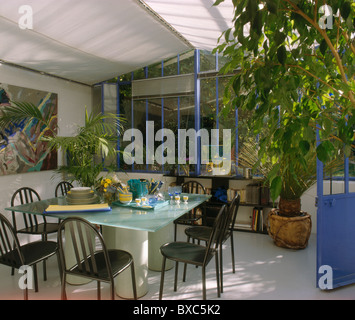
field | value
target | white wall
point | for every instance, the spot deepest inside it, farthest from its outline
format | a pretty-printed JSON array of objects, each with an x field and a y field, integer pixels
[{"x": 72, "y": 99}]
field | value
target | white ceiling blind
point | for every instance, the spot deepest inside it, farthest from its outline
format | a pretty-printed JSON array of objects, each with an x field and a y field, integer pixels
[{"x": 90, "y": 41}]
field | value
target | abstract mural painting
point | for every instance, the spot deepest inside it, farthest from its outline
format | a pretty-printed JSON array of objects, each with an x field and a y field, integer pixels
[{"x": 21, "y": 149}]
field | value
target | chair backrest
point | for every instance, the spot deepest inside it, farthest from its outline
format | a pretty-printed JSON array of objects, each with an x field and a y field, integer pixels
[
  {"x": 193, "y": 187},
  {"x": 22, "y": 196},
  {"x": 230, "y": 218},
  {"x": 10, "y": 252},
  {"x": 234, "y": 207},
  {"x": 214, "y": 239},
  {"x": 83, "y": 238},
  {"x": 62, "y": 188}
]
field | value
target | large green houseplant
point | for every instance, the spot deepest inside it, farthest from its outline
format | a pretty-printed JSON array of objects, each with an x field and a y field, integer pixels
[
  {"x": 294, "y": 70},
  {"x": 97, "y": 138}
]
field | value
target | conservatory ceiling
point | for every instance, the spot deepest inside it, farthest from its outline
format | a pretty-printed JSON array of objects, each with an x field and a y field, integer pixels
[{"x": 90, "y": 41}]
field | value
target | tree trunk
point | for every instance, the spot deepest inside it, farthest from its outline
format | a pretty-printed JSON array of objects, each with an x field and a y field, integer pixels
[{"x": 289, "y": 208}]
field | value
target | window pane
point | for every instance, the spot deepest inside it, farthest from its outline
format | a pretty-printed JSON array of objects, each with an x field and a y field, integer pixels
[
  {"x": 155, "y": 115},
  {"x": 139, "y": 122},
  {"x": 208, "y": 112},
  {"x": 187, "y": 121},
  {"x": 126, "y": 113},
  {"x": 208, "y": 104},
  {"x": 187, "y": 61},
  {"x": 227, "y": 120},
  {"x": 139, "y": 74},
  {"x": 154, "y": 71},
  {"x": 171, "y": 67},
  {"x": 171, "y": 123},
  {"x": 207, "y": 61},
  {"x": 110, "y": 106}
]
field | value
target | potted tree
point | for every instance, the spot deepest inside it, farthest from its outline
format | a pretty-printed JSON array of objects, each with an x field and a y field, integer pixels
[
  {"x": 294, "y": 71},
  {"x": 84, "y": 151},
  {"x": 288, "y": 225}
]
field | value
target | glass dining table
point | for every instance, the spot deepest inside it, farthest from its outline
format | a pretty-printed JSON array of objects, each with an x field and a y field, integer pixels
[{"x": 137, "y": 230}]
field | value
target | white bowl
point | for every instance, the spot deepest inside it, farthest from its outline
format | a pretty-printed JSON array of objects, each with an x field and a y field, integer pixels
[{"x": 126, "y": 202}]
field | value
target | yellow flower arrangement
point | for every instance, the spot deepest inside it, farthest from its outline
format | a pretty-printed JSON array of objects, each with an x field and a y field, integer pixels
[
  {"x": 108, "y": 189},
  {"x": 107, "y": 185}
]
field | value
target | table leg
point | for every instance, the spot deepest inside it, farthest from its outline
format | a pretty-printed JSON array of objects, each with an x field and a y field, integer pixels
[
  {"x": 155, "y": 241},
  {"x": 136, "y": 243}
]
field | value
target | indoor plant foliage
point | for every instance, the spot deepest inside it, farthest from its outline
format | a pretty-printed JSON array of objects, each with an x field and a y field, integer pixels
[
  {"x": 295, "y": 71},
  {"x": 96, "y": 138}
]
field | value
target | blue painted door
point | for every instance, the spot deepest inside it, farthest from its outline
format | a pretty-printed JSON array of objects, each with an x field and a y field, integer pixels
[{"x": 335, "y": 228}]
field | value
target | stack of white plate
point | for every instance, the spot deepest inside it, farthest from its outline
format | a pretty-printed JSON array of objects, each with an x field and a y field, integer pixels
[{"x": 81, "y": 195}]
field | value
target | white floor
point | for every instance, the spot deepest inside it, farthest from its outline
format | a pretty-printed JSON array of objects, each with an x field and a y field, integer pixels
[{"x": 263, "y": 271}]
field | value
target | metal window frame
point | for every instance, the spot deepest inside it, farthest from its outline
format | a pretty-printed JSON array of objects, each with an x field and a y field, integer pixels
[{"x": 197, "y": 97}]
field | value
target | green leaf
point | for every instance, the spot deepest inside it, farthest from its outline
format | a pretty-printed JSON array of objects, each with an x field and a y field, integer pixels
[
  {"x": 281, "y": 55},
  {"x": 257, "y": 23},
  {"x": 274, "y": 171},
  {"x": 272, "y": 6},
  {"x": 347, "y": 151},
  {"x": 251, "y": 9},
  {"x": 304, "y": 146},
  {"x": 323, "y": 47},
  {"x": 345, "y": 10},
  {"x": 275, "y": 188},
  {"x": 324, "y": 151},
  {"x": 218, "y": 2},
  {"x": 236, "y": 84},
  {"x": 279, "y": 37}
]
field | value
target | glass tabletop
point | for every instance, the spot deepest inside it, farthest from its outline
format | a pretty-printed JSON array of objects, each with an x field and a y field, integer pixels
[{"x": 120, "y": 217}]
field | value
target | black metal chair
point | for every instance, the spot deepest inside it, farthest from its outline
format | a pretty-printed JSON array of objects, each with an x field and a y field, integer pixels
[
  {"x": 203, "y": 233},
  {"x": 16, "y": 256},
  {"x": 190, "y": 253},
  {"x": 93, "y": 260},
  {"x": 191, "y": 217},
  {"x": 62, "y": 188},
  {"x": 31, "y": 224}
]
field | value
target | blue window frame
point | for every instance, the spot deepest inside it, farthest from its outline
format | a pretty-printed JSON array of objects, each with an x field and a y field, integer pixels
[{"x": 181, "y": 106}]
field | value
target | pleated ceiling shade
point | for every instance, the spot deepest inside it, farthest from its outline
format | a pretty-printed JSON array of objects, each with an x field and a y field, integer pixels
[{"x": 90, "y": 41}]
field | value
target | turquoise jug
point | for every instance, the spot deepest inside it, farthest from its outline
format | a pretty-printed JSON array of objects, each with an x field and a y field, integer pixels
[{"x": 139, "y": 188}]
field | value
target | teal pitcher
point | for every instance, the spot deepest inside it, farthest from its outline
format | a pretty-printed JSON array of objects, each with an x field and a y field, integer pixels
[{"x": 139, "y": 188}]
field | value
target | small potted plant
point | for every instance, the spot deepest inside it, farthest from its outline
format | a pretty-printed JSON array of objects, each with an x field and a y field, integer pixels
[{"x": 97, "y": 138}]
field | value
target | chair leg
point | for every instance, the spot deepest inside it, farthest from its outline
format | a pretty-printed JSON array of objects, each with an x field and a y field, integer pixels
[
  {"x": 98, "y": 290},
  {"x": 162, "y": 279},
  {"x": 44, "y": 238},
  {"x": 232, "y": 249},
  {"x": 184, "y": 276},
  {"x": 203, "y": 283},
  {"x": 134, "y": 286},
  {"x": 35, "y": 277},
  {"x": 63, "y": 294},
  {"x": 112, "y": 287},
  {"x": 176, "y": 275},
  {"x": 44, "y": 270},
  {"x": 217, "y": 276},
  {"x": 221, "y": 266},
  {"x": 25, "y": 291},
  {"x": 185, "y": 265}
]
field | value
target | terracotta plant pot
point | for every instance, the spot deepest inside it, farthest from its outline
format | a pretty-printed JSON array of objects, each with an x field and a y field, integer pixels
[{"x": 289, "y": 232}]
